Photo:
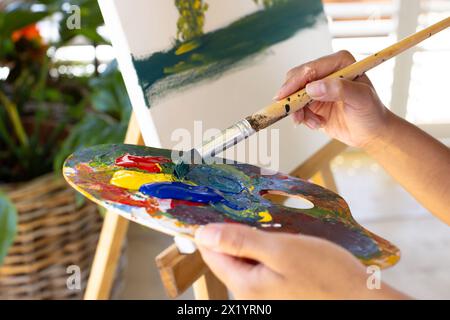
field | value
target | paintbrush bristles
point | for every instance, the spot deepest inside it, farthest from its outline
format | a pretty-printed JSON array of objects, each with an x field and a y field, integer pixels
[{"x": 182, "y": 167}]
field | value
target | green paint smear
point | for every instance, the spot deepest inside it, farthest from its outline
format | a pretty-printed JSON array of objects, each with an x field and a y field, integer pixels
[{"x": 210, "y": 55}]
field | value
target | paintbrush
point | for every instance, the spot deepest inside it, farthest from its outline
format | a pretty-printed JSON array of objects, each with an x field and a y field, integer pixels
[{"x": 300, "y": 99}]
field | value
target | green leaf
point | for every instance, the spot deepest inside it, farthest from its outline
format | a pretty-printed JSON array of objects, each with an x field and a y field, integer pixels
[
  {"x": 109, "y": 94},
  {"x": 90, "y": 17},
  {"x": 8, "y": 225},
  {"x": 91, "y": 35},
  {"x": 17, "y": 19},
  {"x": 80, "y": 200},
  {"x": 102, "y": 211},
  {"x": 93, "y": 129}
]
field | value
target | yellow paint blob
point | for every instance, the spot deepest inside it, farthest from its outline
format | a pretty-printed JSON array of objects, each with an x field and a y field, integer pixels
[
  {"x": 186, "y": 47},
  {"x": 134, "y": 180},
  {"x": 265, "y": 216}
]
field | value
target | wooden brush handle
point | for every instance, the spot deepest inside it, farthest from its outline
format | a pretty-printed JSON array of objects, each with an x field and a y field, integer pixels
[{"x": 280, "y": 109}]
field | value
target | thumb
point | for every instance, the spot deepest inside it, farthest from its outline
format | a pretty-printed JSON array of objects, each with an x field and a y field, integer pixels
[
  {"x": 240, "y": 241},
  {"x": 230, "y": 270},
  {"x": 353, "y": 93}
]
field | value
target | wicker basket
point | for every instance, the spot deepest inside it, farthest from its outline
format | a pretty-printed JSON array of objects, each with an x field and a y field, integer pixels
[{"x": 53, "y": 234}]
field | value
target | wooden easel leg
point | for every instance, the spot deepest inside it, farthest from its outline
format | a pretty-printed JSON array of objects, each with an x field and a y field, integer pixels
[
  {"x": 107, "y": 255},
  {"x": 319, "y": 160},
  {"x": 325, "y": 178},
  {"x": 209, "y": 287},
  {"x": 109, "y": 246}
]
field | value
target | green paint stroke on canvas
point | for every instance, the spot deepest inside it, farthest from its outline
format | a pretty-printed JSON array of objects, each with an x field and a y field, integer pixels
[{"x": 210, "y": 55}]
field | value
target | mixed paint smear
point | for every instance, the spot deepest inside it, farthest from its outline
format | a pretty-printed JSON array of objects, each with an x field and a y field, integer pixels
[
  {"x": 139, "y": 182},
  {"x": 206, "y": 56}
]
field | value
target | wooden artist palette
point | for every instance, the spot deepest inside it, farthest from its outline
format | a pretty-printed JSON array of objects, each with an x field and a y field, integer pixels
[{"x": 138, "y": 183}]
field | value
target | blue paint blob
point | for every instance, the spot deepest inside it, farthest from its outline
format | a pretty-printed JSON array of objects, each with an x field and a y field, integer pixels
[
  {"x": 181, "y": 191},
  {"x": 188, "y": 192}
]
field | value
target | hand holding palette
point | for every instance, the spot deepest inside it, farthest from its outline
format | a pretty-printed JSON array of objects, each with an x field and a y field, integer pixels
[{"x": 139, "y": 183}]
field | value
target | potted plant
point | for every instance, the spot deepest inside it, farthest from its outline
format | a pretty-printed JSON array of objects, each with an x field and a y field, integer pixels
[{"x": 46, "y": 113}]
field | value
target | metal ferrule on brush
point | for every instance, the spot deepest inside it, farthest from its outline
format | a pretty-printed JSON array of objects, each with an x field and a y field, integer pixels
[{"x": 227, "y": 138}]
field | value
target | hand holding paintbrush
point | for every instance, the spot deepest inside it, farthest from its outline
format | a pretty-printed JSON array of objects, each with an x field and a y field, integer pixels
[
  {"x": 298, "y": 100},
  {"x": 349, "y": 111}
]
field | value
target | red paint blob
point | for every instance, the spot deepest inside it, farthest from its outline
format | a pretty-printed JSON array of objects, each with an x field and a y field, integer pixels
[
  {"x": 147, "y": 163},
  {"x": 101, "y": 188}
]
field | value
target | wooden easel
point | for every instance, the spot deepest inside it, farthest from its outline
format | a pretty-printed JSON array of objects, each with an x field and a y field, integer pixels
[{"x": 181, "y": 271}]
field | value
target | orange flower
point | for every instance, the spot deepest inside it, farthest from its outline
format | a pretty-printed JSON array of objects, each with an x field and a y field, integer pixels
[{"x": 30, "y": 33}]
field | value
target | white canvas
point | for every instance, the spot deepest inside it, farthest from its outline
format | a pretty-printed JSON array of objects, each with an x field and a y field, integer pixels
[{"x": 139, "y": 28}]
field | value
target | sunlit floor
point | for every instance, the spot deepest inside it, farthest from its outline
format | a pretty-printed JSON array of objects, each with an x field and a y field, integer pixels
[{"x": 377, "y": 202}]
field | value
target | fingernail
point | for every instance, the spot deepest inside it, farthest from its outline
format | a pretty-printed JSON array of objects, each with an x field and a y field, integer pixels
[
  {"x": 275, "y": 97},
  {"x": 313, "y": 123},
  {"x": 279, "y": 93},
  {"x": 315, "y": 89},
  {"x": 208, "y": 236}
]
